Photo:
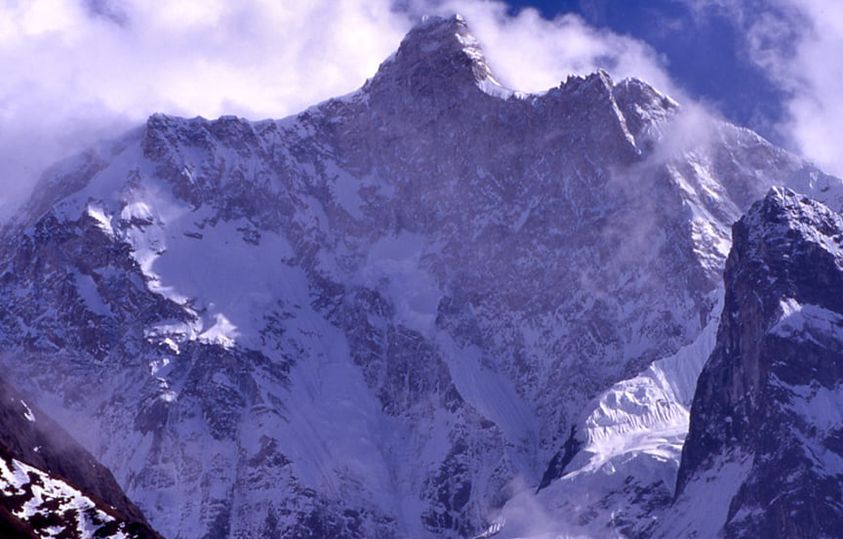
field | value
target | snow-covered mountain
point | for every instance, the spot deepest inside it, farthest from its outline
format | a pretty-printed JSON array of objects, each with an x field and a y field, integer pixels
[
  {"x": 397, "y": 314},
  {"x": 51, "y": 487},
  {"x": 763, "y": 456}
]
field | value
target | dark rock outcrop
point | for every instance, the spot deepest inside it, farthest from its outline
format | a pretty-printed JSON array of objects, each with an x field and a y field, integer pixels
[{"x": 767, "y": 417}]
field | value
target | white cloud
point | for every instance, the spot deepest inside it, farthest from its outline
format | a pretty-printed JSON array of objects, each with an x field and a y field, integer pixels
[
  {"x": 797, "y": 43},
  {"x": 77, "y": 70},
  {"x": 816, "y": 109},
  {"x": 532, "y": 54}
]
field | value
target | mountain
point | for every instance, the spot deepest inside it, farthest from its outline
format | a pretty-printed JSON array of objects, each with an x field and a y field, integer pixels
[
  {"x": 399, "y": 313},
  {"x": 763, "y": 455},
  {"x": 51, "y": 487}
]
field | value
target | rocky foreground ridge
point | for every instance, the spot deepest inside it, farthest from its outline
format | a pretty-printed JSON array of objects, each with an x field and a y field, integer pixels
[{"x": 51, "y": 486}]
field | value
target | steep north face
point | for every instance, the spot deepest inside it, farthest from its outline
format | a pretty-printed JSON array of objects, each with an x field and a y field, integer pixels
[
  {"x": 764, "y": 454},
  {"x": 384, "y": 316}
]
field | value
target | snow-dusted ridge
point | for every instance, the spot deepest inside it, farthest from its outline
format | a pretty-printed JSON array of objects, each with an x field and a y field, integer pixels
[
  {"x": 50, "y": 499},
  {"x": 51, "y": 487}
]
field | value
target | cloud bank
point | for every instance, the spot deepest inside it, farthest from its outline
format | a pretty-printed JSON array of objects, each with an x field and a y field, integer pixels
[{"x": 75, "y": 71}]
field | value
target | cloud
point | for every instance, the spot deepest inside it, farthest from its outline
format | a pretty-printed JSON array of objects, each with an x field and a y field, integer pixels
[
  {"x": 816, "y": 109},
  {"x": 75, "y": 71},
  {"x": 531, "y": 53},
  {"x": 797, "y": 43}
]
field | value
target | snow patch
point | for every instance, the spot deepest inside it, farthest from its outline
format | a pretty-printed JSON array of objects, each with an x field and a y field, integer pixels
[
  {"x": 97, "y": 212},
  {"x": 226, "y": 274},
  {"x": 806, "y": 322},
  {"x": 88, "y": 291},
  {"x": 223, "y": 332},
  {"x": 820, "y": 407},
  {"x": 27, "y": 412},
  {"x": 395, "y": 265},
  {"x": 495, "y": 397}
]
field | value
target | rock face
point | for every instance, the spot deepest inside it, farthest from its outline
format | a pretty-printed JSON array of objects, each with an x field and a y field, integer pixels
[
  {"x": 764, "y": 454},
  {"x": 381, "y": 316},
  {"x": 51, "y": 486}
]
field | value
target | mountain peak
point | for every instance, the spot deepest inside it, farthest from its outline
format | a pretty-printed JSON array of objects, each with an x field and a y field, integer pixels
[
  {"x": 442, "y": 39},
  {"x": 436, "y": 54},
  {"x": 784, "y": 215},
  {"x": 437, "y": 21}
]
